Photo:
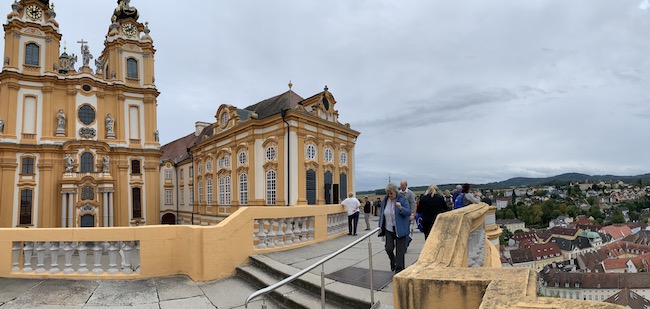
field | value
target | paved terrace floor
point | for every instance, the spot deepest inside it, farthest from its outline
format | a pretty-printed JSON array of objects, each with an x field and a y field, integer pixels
[{"x": 182, "y": 292}]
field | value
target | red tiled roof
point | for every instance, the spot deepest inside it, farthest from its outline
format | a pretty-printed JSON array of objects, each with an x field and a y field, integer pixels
[
  {"x": 544, "y": 251},
  {"x": 177, "y": 150}
]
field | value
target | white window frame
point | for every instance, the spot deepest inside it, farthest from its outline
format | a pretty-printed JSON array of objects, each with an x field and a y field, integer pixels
[
  {"x": 310, "y": 152},
  {"x": 208, "y": 190},
  {"x": 224, "y": 190},
  {"x": 271, "y": 154},
  {"x": 343, "y": 157},
  {"x": 200, "y": 169},
  {"x": 168, "y": 174},
  {"x": 200, "y": 189},
  {"x": 191, "y": 188},
  {"x": 226, "y": 161},
  {"x": 271, "y": 187},
  {"x": 243, "y": 188},
  {"x": 168, "y": 197},
  {"x": 208, "y": 166},
  {"x": 329, "y": 155},
  {"x": 182, "y": 196},
  {"x": 242, "y": 158}
]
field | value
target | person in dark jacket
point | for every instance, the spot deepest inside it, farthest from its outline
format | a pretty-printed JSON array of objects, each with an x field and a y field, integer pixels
[{"x": 431, "y": 205}]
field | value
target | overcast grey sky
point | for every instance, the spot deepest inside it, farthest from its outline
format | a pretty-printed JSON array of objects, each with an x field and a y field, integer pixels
[{"x": 441, "y": 91}]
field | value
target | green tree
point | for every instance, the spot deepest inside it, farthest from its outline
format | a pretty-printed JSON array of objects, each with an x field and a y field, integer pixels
[
  {"x": 618, "y": 217},
  {"x": 509, "y": 214}
]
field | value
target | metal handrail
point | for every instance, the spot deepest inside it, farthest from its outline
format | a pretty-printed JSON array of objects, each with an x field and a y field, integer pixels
[{"x": 289, "y": 279}]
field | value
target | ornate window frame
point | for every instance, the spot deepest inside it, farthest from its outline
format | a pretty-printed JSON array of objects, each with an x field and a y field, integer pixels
[
  {"x": 225, "y": 189},
  {"x": 271, "y": 186},
  {"x": 26, "y": 164},
  {"x": 243, "y": 188},
  {"x": 38, "y": 54},
  {"x": 208, "y": 190}
]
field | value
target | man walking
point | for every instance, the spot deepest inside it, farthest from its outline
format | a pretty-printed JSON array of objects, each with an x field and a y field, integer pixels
[
  {"x": 366, "y": 213},
  {"x": 352, "y": 205}
]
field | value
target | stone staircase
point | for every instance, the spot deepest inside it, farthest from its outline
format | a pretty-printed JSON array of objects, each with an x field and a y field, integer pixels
[{"x": 304, "y": 292}]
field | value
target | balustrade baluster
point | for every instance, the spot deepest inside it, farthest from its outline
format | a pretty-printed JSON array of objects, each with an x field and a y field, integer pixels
[
  {"x": 270, "y": 237},
  {"x": 330, "y": 219},
  {"x": 304, "y": 231},
  {"x": 296, "y": 230},
  {"x": 68, "y": 249},
  {"x": 280, "y": 232},
  {"x": 15, "y": 257},
  {"x": 54, "y": 257},
  {"x": 40, "y": 257},
  {"x": 261, "y": 235},
  {"x": 112, "y": 258},
  {"x": 27, "y": 256},
  {"x": 135, "y": 257},
  {"x": 97, "y": 256},
  {"x": 82, "y": 250},
  {"x": 310, "y": 228},
  {"x": 288, "y": 232},
  {"x": 126, "y": 263}
]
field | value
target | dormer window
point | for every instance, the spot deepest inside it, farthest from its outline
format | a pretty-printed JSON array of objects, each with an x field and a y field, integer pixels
[
  {"x": 32, "y": 52},
  {"x": 131, "y": 68}
]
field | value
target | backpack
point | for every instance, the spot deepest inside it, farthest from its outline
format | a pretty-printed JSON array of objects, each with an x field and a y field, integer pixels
[{"x": 458, "y": 203}]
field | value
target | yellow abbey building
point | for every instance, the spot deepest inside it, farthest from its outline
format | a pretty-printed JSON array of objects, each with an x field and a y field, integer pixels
[
  {"x": 281, "y": 151},
  {"x": 78, "y": 142}
]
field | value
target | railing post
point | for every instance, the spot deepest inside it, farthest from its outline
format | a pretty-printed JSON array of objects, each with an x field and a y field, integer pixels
[
  {"x": 54, "y": 257},
  {"x": 68, "y": 249},
  {"x": 97, "y": 256},
  {"x": 40, "y": 257},
  {"x": 27, "y": 253},
  {"x": 112, "y": 258},
  {"x": 15, "y": 257},
  {"x": 372, "y": 279},
  {"x": 322, "y": 286}
]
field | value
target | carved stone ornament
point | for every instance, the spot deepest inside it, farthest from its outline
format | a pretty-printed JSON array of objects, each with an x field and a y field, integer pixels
[{"x": 87, "y": 132}]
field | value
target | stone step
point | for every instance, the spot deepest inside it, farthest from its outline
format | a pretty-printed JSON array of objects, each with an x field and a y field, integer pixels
[
  {"x": 288, "y": 296},
  {"x": 339, "y": 294}
]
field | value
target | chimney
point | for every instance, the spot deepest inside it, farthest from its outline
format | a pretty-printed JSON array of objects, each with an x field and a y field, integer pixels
[{"x": 200, "y": 126}]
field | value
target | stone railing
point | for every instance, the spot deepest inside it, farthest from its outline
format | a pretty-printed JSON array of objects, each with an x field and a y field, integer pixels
[
  {"x": 80, "y": 258},
  {"x": 459, "y": 267},
  {"x": 157, "y": 250}
]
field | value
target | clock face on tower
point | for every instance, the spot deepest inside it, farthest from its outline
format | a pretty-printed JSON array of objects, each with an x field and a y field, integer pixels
[
  {"x": 34, "y": 12},
  {"x": 129, "y": 29}
]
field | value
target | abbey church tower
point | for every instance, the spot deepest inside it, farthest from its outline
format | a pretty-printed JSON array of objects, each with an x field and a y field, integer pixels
[{"x": 78, "y": 135}]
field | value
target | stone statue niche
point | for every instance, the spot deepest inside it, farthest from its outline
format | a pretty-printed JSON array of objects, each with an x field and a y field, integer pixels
[
  {"x": 110, "y": 124},
  {"x": 60, "y": 123}
]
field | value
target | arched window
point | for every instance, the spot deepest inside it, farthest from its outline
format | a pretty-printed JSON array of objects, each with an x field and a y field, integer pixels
[
  {"x": 26, "y": 207},
  {"x": 131, "y": 68},
  {"x": 270, "y": 153},
  {"x": 243, "y": 189},
  {"x": 136, "y": 203},
  {"x": 311, "y": 152},
  {"x": 270, "y": 187},
  {"x": 208, "y": 166},
  {"x": 87, "y": 162},
  {"x": 328, "y": 155},
  {"x": 32, "y": 52},
  {"x": 27, "y": 166},
  {"x": 208, "y": 190},
  {"x": 135, "y": 167},
  {"x": 224, "y": 190}
]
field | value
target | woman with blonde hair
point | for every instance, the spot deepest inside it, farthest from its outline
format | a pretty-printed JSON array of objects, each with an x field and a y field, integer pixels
[{"x": 431, "y": 205}]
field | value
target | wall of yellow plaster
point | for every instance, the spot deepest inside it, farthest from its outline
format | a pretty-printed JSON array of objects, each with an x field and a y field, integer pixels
[{"x": 203, "y": 253}]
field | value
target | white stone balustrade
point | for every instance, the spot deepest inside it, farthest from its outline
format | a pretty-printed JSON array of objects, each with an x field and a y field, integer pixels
[
  {"x": 337, "y": 223},
  {"x": 112, "y": 257},
  {"x": 282, "y": 232}
]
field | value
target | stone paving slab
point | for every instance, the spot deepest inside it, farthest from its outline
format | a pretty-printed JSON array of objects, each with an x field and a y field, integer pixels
[
  {"x": 66, "y": 293},
  {"x": 197, "y": 302},
  {"x": 10, "y": 288},
  {"x": 227, "y": 293},
  {"x": 124, "y": 293},
  {"x": 176, "y": 287}
]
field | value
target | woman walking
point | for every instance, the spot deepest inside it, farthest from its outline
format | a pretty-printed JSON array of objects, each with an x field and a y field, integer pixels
[{"x": 394, "y": 222}]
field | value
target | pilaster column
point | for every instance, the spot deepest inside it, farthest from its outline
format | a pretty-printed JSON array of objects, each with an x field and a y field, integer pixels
[
  {"x": 105, "y": 209},
  {"x": 70, "y": 214},
  {"x": 63, "y": 208},
  {"x": 111, "y": 196}
]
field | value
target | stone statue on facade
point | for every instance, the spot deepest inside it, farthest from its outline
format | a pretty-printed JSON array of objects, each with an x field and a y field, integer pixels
[
  {"x": 110, "y": 122},
  {"x": 99, "y": 66},
  {"x": 85, "y": 53},
  {"x": 2, "y": 126},
  {"x": 69, "y": 163},
  {"x": 73, "y": 60},
  {"x": 60, "y": 120},
  {"x": 156, "y": 136},
  {"x": 106, "y": 160}
]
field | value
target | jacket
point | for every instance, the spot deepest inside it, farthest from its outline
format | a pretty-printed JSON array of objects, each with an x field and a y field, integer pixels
[{"x": 402, "y": 221}]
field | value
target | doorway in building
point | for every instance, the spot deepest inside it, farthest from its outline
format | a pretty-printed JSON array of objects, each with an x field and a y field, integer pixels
[
  {"x": 87, "y": 221},
  {"x": 168, "y": 219},
  {"x": 327, "y": 179}
]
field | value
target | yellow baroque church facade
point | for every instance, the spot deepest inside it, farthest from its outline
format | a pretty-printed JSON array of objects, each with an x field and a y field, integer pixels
[
  {"x": 282, "y": 151},
  {"x": 78, "y": 142}
]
